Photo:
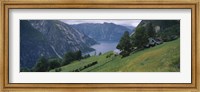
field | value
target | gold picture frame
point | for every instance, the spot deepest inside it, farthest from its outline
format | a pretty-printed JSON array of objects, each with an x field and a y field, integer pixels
[{"x": 105, "y": 87}]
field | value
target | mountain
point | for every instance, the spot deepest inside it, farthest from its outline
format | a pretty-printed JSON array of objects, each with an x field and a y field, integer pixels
[
  {"x": 102, "y": 32},
  {"x": 162, "y": 24},
  {"x": 130, "y": 27},
  {"x": 32, "y": 45},
  {"x": 62, "y": 36},
  {"x": 166, "y": 29},
  {"x": 51, "y": 38}
]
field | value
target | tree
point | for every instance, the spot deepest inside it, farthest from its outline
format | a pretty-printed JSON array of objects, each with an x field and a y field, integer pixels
[
  {"x": 55, "y": 63},
  {"x": 24, "y": 69},
  {"x": 95, "y": 53},
  {"x": 41, "y": 65},
  {"x": 58, "y": 69},
  {"x": 87, "y": 56},
  {"x": 140, "y": 37},
  {"x": 170, "y": 33},
  {"x": 125, "y": 44},
  {"x": 78, "y": 55},
  {"x": 100, "y": 53},
  {"x": 150, "y": 30},
  {"x": 68, "y": 58},
  {"x": 71, "y": 56}
]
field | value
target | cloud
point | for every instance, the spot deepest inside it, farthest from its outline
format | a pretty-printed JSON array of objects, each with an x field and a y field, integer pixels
[{"x": 126, "y": 22}]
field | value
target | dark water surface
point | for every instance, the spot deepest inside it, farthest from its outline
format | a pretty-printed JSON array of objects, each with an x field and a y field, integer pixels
[{"x": 103, "y": 47}]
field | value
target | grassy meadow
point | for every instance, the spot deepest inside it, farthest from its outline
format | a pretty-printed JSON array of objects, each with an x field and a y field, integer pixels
[{"x": 160, "y": 58}]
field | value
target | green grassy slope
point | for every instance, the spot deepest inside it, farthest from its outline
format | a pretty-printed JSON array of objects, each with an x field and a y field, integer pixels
[{"x": 160, "y": 58}]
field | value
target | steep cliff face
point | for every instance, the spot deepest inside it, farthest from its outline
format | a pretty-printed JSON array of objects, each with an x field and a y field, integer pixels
[
  {"x": 62, "y": 36},
  {"x": 32, "y": 45},
  {"x": 102, "y": 32},
  {"x": 55, "y": 39}
]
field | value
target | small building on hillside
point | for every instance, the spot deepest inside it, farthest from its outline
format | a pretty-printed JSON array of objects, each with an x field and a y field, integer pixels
[
  {"x": 157, "y": 29},
  {"x": 116, "y": 51},
  {"x": 152, "y": 42}
]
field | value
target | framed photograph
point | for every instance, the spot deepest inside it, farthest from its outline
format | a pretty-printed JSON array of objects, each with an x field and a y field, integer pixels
[{"x": 100, "y": 46}]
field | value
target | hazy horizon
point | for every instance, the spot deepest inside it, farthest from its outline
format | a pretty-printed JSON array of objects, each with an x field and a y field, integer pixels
[{"x": 125, "y": 22}]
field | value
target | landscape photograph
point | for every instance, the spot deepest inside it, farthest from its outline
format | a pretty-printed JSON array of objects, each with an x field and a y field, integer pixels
[{"x": 99, "y": 45}]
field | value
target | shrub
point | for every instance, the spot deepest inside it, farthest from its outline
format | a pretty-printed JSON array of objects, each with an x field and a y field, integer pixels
[
  {"x": 25, "y": 69},
  {"x": 71, "y": 56},
  {"x": 109, "y": 55},
  {"x": 100, "y": 53},
  {"x": 54, "y": 63},
  {"x": 124, "y": 54},
  {"x": 58, "y": 69},
  {"x": 41, "y": 65},
  {"x": 84, "y": 67}
]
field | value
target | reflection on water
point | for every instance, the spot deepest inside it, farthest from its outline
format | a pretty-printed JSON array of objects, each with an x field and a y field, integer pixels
[{"x": 103, "y": 47}]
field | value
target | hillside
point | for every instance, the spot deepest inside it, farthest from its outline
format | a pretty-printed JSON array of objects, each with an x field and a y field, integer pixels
[
  {"x": 166, "y": 29},
  {"x": 51, "y": 39},
  {"x": 160, "y": 58},
  {"x": 32, "y": 44}
]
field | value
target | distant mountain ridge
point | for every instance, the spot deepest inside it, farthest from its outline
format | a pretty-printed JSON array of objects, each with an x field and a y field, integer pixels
[
  {"x": 130, "y": 27},
  {"x": 49, "y": 38},
  {"x": 102, "y": 32}
]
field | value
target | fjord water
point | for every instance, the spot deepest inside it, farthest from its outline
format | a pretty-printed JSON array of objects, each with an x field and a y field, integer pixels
[{"x": 103, "y": 47}]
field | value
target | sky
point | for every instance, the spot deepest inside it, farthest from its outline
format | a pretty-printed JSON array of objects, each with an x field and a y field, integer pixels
[{"x": 126, "y": 22}]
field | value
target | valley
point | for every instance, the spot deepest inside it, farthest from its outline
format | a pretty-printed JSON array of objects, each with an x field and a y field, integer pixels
[
  {"x": 161, "y": 58},
  {"x": 56, "y": 46}
]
